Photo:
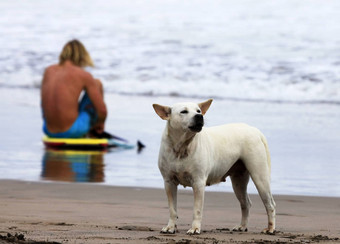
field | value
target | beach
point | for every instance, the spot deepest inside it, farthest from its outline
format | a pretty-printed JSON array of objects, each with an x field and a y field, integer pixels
[
  {"x": 280, "y": 78},
  {"x": 46, "y": 200},
  {"x": 87, "y": 213},
  {"x": 43, "y": 201}
]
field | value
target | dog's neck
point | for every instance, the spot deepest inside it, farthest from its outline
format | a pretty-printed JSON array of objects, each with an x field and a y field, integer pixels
[{"x": 180, "y": 142}]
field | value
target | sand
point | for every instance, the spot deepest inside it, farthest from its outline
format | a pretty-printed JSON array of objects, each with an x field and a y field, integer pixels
[{"x": 94, "y": 213}]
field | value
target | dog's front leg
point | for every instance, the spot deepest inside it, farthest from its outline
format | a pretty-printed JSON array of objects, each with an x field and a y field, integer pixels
[
  {"x": 171, "y": 192},
  {"x": 198, "y": 209}
]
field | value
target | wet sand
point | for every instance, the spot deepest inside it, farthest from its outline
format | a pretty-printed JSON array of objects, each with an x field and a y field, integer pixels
[{"x": 94, "y": 213}]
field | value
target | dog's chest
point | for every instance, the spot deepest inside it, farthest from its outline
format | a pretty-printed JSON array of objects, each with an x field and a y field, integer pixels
[
  {"x": 179, "y": 173},
  {"x": 184, "y": 178}
]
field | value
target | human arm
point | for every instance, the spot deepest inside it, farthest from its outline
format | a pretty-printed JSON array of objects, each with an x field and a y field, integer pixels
[{"x": 94, "y": 90}]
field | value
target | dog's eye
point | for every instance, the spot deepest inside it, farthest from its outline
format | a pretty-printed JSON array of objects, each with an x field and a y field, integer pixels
[
  {"x": 198, "y": 111},
  {"x": 184, "y": 112}
]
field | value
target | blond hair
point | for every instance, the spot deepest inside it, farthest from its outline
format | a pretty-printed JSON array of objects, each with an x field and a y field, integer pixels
[{"x": 75, "y": 52}]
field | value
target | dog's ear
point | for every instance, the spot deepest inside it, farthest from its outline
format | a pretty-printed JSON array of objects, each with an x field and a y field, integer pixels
[
  {"x": 162, "y": 111},
  {"x": 205, "y": 106}
]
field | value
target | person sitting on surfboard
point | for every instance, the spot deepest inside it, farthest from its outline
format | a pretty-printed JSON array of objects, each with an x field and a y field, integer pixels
[{"x": 63, "y": 83}]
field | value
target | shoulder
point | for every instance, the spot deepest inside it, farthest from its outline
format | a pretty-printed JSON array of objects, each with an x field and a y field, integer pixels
[
  {"x": 85, "y": 75},
  {"x": 78, "y": 72},
  {"x": 50, "y": 71},
  {"x": 51, "y": 68}
]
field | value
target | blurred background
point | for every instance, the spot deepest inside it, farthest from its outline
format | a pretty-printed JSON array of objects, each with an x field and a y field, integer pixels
[{"x": 272, "y": 64}]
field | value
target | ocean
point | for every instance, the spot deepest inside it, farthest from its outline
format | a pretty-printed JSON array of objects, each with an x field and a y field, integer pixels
[{"x": 271, "y": 64}]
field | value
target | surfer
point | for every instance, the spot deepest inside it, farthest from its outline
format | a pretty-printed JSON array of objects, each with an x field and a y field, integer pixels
[{"x": 65, "y": 115}]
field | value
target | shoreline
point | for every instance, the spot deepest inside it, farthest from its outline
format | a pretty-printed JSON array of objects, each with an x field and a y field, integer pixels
[
  {"x": 297, "y": 145},
  {"x": 92, "y": 213}
]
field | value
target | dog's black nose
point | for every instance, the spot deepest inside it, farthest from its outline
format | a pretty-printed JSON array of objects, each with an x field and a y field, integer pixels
[
  {"x": 199, "y": 118},
  {"x": 198, "y": 123}
]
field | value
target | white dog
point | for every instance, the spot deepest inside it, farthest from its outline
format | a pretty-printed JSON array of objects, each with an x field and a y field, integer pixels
[{"x": 194, "y": 156}]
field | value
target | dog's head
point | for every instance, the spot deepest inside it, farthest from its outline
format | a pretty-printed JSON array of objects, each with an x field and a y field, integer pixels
[{"x": 184, "y": 116}]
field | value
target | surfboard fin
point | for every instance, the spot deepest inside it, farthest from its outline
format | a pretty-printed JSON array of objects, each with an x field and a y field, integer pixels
[{"x": 140, "y": 146}]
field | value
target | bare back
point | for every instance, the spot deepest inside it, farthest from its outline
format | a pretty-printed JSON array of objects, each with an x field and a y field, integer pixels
[{"x": 60, "y": 91}]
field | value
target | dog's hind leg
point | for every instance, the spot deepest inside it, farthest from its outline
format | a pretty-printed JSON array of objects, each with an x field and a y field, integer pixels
[
  {"x": 240, "y": 177},
  {"x": 263, "y": 186},
  {"x": 171, "y": 192},
  {"x": 257, "y": 162},
  {"x": 260, "y": 174}
]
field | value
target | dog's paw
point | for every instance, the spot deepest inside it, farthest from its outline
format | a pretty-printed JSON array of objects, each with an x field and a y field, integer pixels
[
  {"x": 194, "y": 231},
  {"x": 240, "y": 228},
  {"x": 269, "y": 231},
  {"x": 169, "y": 230}
]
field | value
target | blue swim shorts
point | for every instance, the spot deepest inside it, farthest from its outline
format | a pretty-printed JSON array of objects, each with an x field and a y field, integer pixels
[
  {"x": 79, "y": 128},
  {"x": 86, "y": 118}
]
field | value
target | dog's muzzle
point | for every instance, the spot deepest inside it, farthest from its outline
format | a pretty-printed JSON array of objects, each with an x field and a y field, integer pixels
[{"x": 197, "y": 124}]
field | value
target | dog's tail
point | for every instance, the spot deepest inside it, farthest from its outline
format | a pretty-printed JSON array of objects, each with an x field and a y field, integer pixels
[{"x": 265, "y": 143}]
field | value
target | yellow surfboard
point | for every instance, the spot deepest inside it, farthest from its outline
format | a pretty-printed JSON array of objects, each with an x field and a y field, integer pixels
[{"x": 77, "y": 143}]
